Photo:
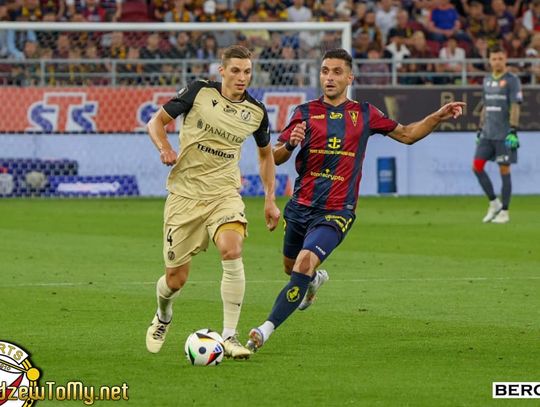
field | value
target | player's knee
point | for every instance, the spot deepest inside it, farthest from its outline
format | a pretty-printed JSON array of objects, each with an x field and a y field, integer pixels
[
  {"x": 478, "y": 165},
  {"x": 304, "y": 263},
  {"x": 231, "y": 252},
  {"x": 288, "y": 265},
  {"x": 176, "y": 278},
  {"x": 504, "y": 169}
]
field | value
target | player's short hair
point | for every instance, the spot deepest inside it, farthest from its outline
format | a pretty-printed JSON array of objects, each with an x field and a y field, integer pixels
[
  {"x": 339, "y": 53},
  {"x": 235, "y": 51},
  {"x": 495, "y": 49}
]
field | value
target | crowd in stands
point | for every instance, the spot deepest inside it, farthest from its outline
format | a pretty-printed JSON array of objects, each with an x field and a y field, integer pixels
[{"x": 398, "y": 30}]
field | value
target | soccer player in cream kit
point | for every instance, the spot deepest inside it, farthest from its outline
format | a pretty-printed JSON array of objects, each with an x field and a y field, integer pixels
[
  {"x": 497, "y": 138},
  {"x": 204, "y": 202}
]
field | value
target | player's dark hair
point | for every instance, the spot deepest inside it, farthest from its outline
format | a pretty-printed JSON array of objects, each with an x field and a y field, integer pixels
[
  {"x": 495, "y": 49},
  {"x": 339, "y": 53},
  {"x": 235, "y": 51}
]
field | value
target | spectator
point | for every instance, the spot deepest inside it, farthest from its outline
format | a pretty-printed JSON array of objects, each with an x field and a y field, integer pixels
[
  {"x": 272, "y": 11},
  {"x": 361, "y": 44},
  {"x": 54, "y": 7},
  {"x": 152, "y": 51},
  {"x": 398, "y": 51},
  {"x": 376, "y": 72},
  {"x": 505, "y": 19},
  {"x": 27, "y": 74},
  {"x": 182, "y": 48},
  {"x": 531, "y": 18},
  {"x": 113, "y": 9},
  {"x": 93, "y": 12},
  {"x": 385, "y": 17},
  {"x": 491, "y": 30},
  {"x": 31, "y": 10},
  {"x": 444, "y": 22},
  {"x": 244, "y": 12},
  {"x": 474, "y": 21},
  {"x": 404, "y": 28},
  {"x": 3, "y": 33},
  {"x": 357, "y": 18},
  {"x": 298, "y": 12},
  {"x": 515, "y": 49},
  {"x": 15, "y": 40},
  {"x": 209, "y": 49},
  {"x": 271, "y": 52},
  {"x": 129, "y": 72},
  {"x": 209, "y": 13},
  {"x": 178, "y": 13},
  {"x": 452, "y": 60},
  {"x": 95, "y": 71},
  {"x": 159, "y": 8},
  {"x": 419, "y": 50},
  {"x": 117, "y": 48},
  {"x": 286, "y": 72},
  {"x": 375, "y": 34},
  {"x": 326, "y": 11},
  {"x": 477, "y": 70}
]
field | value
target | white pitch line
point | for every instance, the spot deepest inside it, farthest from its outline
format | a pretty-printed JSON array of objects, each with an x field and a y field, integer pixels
[{"x": 358, "y": 280}]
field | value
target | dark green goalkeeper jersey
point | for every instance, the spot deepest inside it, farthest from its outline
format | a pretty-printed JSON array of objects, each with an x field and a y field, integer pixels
[{"x": 498, "y": 96}]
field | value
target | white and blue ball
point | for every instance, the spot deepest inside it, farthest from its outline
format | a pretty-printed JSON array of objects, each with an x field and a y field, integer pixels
[{"x": 204, "y": 348}]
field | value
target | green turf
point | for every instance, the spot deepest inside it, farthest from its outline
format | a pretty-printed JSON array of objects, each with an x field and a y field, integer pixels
[{"x": 426, "y": 306}]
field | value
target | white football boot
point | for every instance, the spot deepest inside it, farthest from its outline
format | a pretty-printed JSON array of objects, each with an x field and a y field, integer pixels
[
  {"x": 155, "y": 335},
  {"x": 502, "y": 217},
  {"x": 256, "y": 340},
  {"x": 321, "y": 277},
  {"x": 234, "y": 349},
  {"x": 494, "y": 208}
]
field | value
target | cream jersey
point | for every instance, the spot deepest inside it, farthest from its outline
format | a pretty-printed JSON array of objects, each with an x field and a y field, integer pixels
[{"x": 212, "y": 134}]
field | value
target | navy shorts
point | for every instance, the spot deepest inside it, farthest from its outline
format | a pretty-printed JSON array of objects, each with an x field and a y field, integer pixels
[
  {"x": 495, "y": 150},
  {"x": 317, "y": 230}
]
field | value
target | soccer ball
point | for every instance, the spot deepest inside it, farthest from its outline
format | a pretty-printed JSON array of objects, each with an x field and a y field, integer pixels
[{"x": 204, "y": 348}]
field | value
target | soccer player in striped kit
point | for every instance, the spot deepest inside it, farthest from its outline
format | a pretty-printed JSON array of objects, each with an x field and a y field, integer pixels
[{"x": 332, "y": 134}]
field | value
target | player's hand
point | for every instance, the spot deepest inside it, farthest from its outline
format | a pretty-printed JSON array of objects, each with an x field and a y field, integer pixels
[
  {"x": 168, "y": 157},
  {"x": 453, "y": 109},
  {"x": 298, "y": 134},
  {"x": 271, "y": 214},
  {"x": 512, "y": 140}
]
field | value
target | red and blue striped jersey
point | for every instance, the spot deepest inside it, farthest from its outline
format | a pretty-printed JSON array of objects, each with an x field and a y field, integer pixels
[{"x": 329, "y": 163}]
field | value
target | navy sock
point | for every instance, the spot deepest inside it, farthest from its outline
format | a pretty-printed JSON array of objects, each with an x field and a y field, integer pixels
[
  {"x": 506, "y": 191},
  {"x": 486, "y": 184},
  {"x": 289, "y": 298}
]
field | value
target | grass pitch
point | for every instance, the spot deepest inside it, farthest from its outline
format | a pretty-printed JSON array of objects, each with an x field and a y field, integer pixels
[{"x": 426, "y": 306}]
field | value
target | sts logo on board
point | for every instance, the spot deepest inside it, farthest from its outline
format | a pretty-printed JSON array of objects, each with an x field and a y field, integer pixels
[{"x": 63, "y": 112}]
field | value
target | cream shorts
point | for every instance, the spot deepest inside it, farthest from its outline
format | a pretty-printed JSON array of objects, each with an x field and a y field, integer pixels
[{"x": 189, "y": 225}]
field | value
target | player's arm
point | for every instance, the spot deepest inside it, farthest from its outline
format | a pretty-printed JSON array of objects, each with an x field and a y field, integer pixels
[
  {"x": 515, "y": 111},
  {"x": 158, "y": 135},
  {"x": 290, "y": 137},
  {"x": 283, "y": 150},
  {"x": 267, "y": 171},
  {"x": 482, "y": 117},
  {"x": 180, "y": 104},
  {"x": 411, "y": 133}
]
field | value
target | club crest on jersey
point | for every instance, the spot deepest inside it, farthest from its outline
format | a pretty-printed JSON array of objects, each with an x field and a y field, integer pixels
[
  {"x": 354, "y": 117},
  {"x": 16, "y": 373},
  {"x": 245, "y": 115},
  {"x": 336, "y": 115},
  {"x": 334, "y": 143}
]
